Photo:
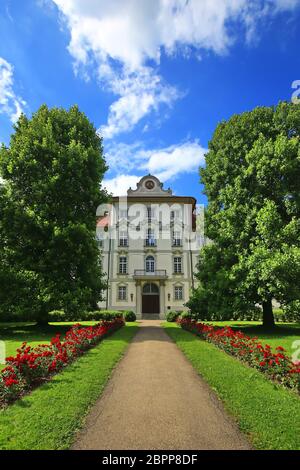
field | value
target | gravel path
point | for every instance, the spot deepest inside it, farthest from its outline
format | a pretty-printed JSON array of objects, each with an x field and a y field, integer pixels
[{"x": 156, "y": 400}]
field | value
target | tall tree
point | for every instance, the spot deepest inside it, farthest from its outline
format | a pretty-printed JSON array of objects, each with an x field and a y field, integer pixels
[
  {"x": 52, "y": 170},
  {"x": 252, "y": 181}
]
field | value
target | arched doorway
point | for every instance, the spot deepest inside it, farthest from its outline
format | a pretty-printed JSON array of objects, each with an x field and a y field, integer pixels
[{"x": 150, "y": 298}]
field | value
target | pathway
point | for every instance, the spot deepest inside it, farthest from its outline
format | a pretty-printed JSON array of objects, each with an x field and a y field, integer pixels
[{"x": 156, "y": 400}]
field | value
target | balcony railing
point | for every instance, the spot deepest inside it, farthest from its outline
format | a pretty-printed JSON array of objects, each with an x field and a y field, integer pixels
[
  {"x": 160, "y": 273},
  {"x": 150, "y": 242}
]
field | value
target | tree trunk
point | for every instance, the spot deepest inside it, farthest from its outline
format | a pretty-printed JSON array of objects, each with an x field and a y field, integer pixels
[
  {"x": 268, "y": 317},
  {"x": 42, "y": 319}
]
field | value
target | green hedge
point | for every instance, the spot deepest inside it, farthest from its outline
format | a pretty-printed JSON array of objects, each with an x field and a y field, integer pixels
[
  {"x": 288, "y": 314},
  {"x": 172, "y": 315},
  {"x": 94, "y": 315}
]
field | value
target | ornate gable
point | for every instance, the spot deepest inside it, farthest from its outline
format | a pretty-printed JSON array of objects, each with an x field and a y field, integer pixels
[{"x": 149, "y": 186}]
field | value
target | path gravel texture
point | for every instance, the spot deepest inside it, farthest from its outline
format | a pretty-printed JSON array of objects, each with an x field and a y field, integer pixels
[{"x": 156, "y": 400}]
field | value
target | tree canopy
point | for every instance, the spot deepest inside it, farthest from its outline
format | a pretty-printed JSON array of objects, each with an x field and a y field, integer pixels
[
  {"x": 252, "y": 181},
  {"x": 52, "y": 172}
]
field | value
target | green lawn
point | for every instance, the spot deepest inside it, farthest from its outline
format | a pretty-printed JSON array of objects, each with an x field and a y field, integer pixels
[
  {"x": 267, "y": 413},
  {"x": 284, "y": 334},
  {"x": 49, "y": 417},
  {"x": 14, "y": 334}
]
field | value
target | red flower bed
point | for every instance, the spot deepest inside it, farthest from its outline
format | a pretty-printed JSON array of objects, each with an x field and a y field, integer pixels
[
  {"x": 276, "y": 365},
  {"x": 31, "y": 366}
]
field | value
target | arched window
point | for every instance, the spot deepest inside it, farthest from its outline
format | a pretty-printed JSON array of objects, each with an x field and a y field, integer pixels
[
  {"x": 150, "y": 289},
  {"x": 150, "y": 264}
]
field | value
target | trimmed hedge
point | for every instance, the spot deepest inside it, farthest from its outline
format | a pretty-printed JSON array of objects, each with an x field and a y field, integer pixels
[
  {"x": 288, "y": 314},
  {"x": 94, "y": 315}
]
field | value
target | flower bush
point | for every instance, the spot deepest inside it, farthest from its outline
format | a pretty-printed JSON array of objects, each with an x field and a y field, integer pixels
[
  {"x": 276, "y": 365},
  {"x": 33, "y": 365}
]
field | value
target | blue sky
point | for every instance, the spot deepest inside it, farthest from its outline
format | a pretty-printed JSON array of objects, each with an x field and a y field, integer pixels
[{"x": 154, "y": 76}]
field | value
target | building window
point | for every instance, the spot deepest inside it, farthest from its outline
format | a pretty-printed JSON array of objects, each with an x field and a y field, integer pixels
[
  {"x": 177, "y": 241},
  {"x": 123, "y": 238},
  {"x": 99, "y": 239},
  {"x": 150, "y": 289},
  {"x": 176, "y": 215},
  {"x": 150, "y": 213},
  {"x": 123, "y": 214},
  {"x": 177, "y": 264},
  {"x": 122, "y": 293},
  {"x": 150, "y": 240},
  {"x": 178, "y": 292},
  {"x": 150, "y": 264},
  {"x": 123, "y": 265}
]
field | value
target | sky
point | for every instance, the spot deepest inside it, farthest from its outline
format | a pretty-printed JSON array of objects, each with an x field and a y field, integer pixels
[{"x": 154, "y": 76}]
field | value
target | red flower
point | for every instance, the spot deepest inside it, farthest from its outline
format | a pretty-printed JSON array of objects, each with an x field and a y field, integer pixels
[
  {"x": 32, "y": 365},
  {"x": 10, "y": 381},
  {"x": 279, "y": 366}
]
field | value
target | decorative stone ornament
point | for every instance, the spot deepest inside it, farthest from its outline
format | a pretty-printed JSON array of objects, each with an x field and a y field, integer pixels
[{"x": 149, "y": 184}]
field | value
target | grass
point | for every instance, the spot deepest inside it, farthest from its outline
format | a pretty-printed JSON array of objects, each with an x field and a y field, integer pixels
[
  {"x": 14, "y": 334},
  {"x": 283, "y": 335},
  {"x": 51, "y": 415},
  {"x": 267, "y": 413}
]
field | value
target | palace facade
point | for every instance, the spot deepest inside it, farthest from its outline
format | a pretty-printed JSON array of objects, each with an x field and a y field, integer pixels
[{"x": 149, "y": 246}]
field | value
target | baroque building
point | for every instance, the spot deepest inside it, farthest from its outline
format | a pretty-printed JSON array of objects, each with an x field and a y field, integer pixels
[{"x": 149, "y": 246}]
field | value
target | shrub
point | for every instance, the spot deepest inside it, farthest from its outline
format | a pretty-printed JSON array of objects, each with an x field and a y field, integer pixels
[
  {"x": 109, "y": 314},
  {"x": 292, "y": 311},
  {"x": 129, "y": 315},
  {"x": 187, "y": 316},
  {"x": 172, "y": 315},
  {"x": 92, "y": 315},
  {"x": 57, "y": 315}
]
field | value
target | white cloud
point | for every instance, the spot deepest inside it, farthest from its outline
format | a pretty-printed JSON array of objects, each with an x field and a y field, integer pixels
[
  {"x": 166, "y": 163},
  {"x": 134, "y": 31},
  {"x": 119, "y": 185},
  {"x": 140, "y": 93},
  {"x": 169, "y": 162},
  {"x": 282, "y": 5},
  {"x": 124, "y": 41},
  {"x": 10, "y": 103}
]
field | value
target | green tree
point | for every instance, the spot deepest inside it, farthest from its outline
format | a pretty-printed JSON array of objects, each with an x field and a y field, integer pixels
[
  {"x": 52, "y": 170},
  {"x": 252, "y": 181}
]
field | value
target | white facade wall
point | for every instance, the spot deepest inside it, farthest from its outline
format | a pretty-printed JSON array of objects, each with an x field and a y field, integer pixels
[{"x": 161, "y": 273}]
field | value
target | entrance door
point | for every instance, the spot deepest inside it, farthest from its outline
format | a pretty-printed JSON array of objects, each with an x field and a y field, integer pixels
[{"x": 150, "y": 298}]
